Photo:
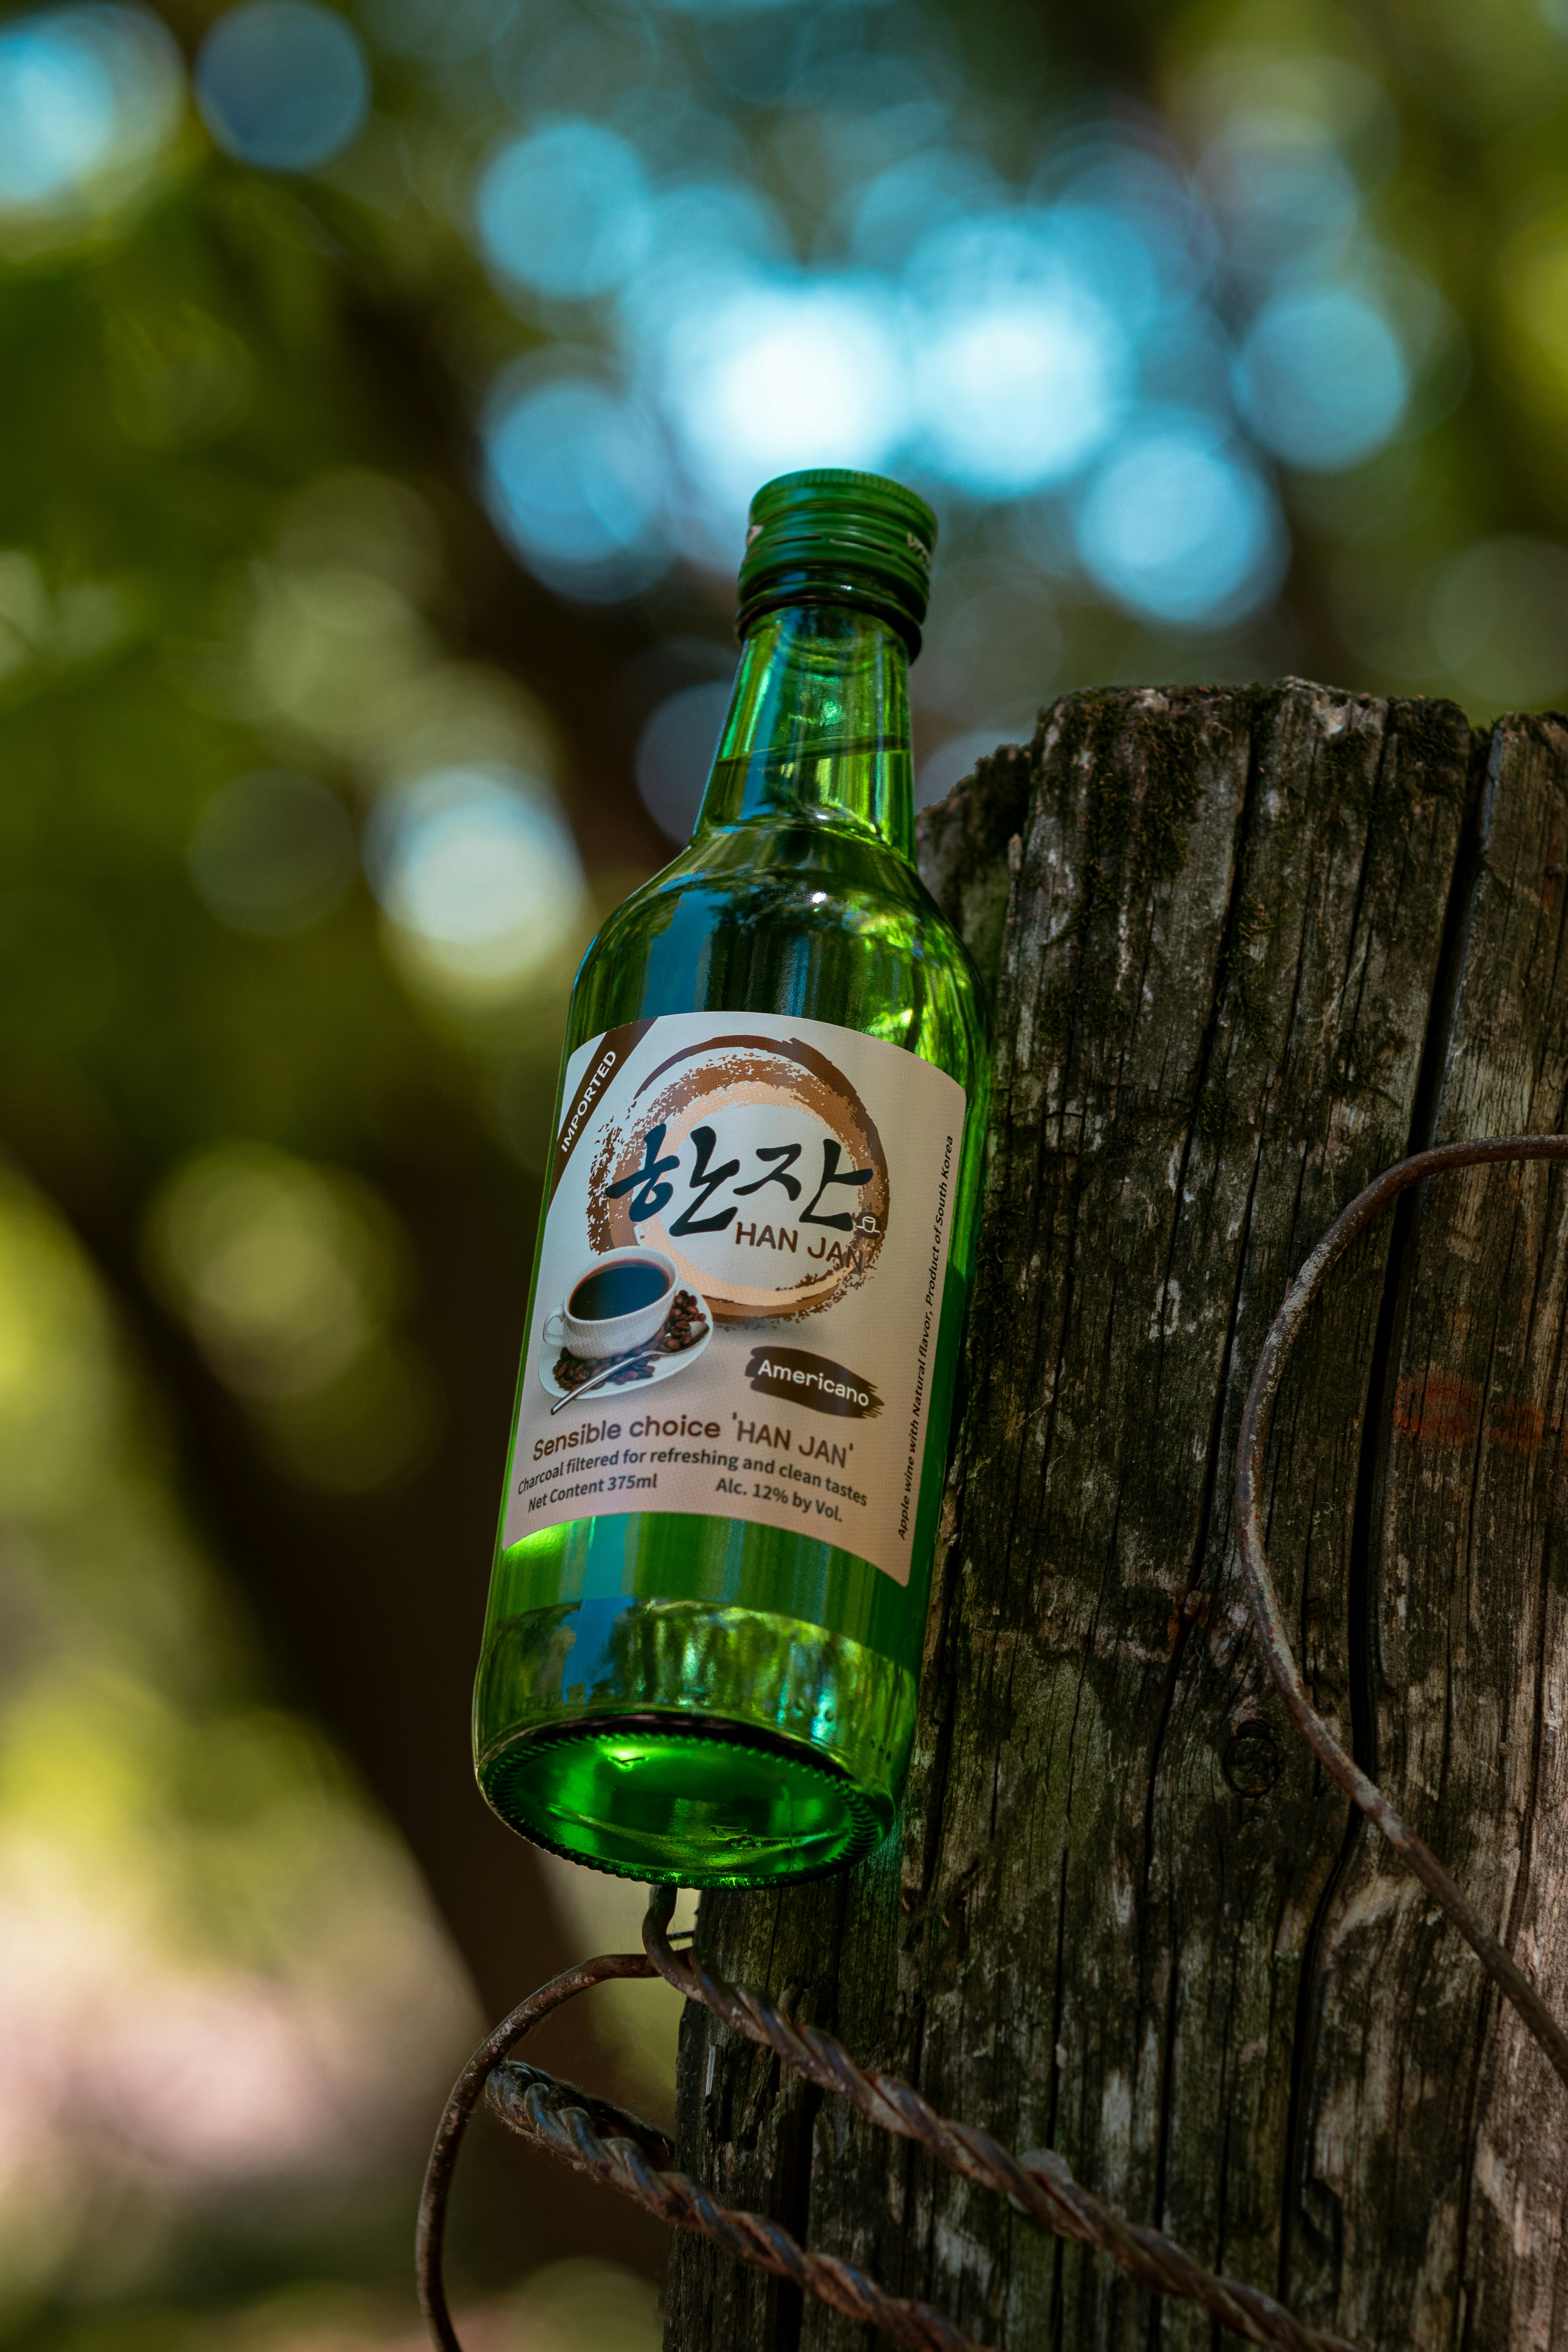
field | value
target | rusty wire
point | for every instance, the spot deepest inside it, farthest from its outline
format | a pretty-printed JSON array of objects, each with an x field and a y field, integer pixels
[
  {"x": 1040, "y": 2186},
  {"x": 430, "y": 2231},
  {"x": 620, "y": 2149},
  {"x": 610, "y": 2145},
  {"x": 1258, "y": 1413},
  {"x": 540, "y": 2108},
  {"x": 625, "y": 2153}
]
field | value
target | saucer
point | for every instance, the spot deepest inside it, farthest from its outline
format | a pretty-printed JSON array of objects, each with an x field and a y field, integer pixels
[{"x": 598, "y": 1392}]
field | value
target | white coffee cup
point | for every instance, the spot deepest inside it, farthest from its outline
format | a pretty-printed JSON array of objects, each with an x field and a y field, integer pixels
[{"x": 593, "y": 1335}]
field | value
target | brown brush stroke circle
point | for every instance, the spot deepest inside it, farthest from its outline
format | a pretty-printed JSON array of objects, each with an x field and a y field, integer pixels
[{"x": 703, "y": 1075}]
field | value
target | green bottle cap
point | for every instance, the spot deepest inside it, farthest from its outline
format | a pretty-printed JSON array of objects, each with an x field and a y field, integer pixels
[{"x": 830, "y": 536}]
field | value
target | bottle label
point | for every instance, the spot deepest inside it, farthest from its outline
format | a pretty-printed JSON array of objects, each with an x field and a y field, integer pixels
[{"x": 741, "y": 1282}]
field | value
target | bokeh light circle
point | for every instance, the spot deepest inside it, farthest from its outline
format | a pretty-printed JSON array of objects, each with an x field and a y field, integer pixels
[
  {"x": 1285, "y": 197},
  {"x": 1021, "y": 393},
  {"x": 891, "y": 213},
  {"x": 1321, "y": 379},
  {"x": 57, "y": 111},
  {"x": 955, "y": 758},
  {"x": 1178, "y": 527},
  {"x": 442, "y": 32},
  {"x": 675, "y": 753},
  {"x": 478, "y": 872},
  {"x": 574, "y": 476},
  {"x": 272, "y": 852},
  {"x": 780, "y": 374},
  {"x": 1023, "y": 370},
  {"x": 565, "y": 211},
  {"x": 1500, "y": 621},
  {"x": 86, "y": 93},
  {"x": 282, "y": 84}
]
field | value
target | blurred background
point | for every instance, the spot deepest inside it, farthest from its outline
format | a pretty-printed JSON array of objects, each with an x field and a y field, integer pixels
[{"x": 382, "y": 389}]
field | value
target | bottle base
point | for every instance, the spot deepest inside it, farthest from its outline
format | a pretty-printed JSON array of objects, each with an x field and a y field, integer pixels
[
  {"x": 682, "y": 1801},
  {"x": 688, "y": 1742}
]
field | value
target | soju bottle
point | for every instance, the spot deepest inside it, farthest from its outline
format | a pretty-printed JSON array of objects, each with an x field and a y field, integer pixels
[{"x": 710, "y": 1590}]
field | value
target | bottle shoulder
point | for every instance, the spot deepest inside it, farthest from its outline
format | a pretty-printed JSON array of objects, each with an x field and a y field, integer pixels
[
  {"x": 793, "y": 880},
  {"x": 816, "y": 921}
]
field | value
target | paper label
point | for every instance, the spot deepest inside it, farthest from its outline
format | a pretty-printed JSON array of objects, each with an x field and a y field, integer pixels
[{"x": 741, "y": 1282}]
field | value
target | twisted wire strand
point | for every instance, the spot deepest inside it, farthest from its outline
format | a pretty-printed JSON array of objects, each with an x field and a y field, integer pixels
[
  {"x": 546, "y": 2112},
  {"x": 509, "y": 2088},
  {"x": 1256, "y": 1416},
  {"x": 1041, "y": 2186}
]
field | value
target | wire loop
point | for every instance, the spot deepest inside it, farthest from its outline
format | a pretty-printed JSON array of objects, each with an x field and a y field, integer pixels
[{"x": 1256, "y": 1415}]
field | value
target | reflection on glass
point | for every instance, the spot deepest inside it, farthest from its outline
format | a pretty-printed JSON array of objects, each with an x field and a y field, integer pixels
[{"x": 282, "y": 84}]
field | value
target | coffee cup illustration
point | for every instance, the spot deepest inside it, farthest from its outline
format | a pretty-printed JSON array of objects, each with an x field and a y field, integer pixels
[{"x": 619, "y": 1301}]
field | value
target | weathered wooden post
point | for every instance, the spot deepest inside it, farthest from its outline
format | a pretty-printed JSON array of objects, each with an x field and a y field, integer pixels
[{"x": 1248, "y": 948}]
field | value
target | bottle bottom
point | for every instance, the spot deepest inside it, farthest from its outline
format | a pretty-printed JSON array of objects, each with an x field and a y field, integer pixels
[
  {"x": 715, "y": 1746},
  {"x": 687, "y": 1800}
]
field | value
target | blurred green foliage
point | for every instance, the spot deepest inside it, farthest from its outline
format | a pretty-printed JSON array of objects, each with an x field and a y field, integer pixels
[
  {"x": 208, "y": 1936},
  {"x": 282, "y": 724}
]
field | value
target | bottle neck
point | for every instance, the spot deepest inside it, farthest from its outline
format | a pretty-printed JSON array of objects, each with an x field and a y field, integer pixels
[{"x": 818, "y": 727}]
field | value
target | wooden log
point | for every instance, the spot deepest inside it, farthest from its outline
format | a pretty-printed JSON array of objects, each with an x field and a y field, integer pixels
[{"x": 1248, "y": 948}]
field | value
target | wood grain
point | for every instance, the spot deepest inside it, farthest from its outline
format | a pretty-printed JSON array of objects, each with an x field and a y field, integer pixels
[{"x": 1248, "y": 948}]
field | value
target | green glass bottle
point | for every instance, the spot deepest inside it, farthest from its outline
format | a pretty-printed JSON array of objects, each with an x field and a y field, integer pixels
[{"x": 709, "y": 1591}]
